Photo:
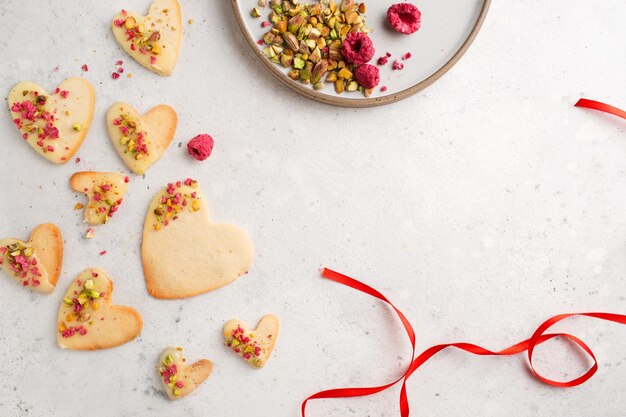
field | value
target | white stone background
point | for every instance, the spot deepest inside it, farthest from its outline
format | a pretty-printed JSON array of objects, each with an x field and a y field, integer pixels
[{"x": 481, "y": 206}]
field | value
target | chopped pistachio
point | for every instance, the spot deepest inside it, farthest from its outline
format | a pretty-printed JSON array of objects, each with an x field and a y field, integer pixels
[
  {"x": 77, "y": 127},
  {"x": 298, "y": 63},
  {"x": 255, "y": 13},
  {"x": 352, "y": 86},
  {"x": 82, "y": 298},
  {"x": 130, "y": 23},
  {"x": 339, "y": 86},
  {"x": 89, "y": 284},
  {"x": 319, "y": 71}
]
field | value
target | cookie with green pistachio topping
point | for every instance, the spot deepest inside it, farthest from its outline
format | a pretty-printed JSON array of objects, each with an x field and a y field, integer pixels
[
  {"x": 184, "y": 252},
  {"x": 180, "y": 379},
  {"x": 35, "y": 264},
  {"x": 88, "y": 319}
]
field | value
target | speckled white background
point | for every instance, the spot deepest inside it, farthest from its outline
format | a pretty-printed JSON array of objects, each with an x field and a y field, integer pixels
[{"x": 481, "y": 207}]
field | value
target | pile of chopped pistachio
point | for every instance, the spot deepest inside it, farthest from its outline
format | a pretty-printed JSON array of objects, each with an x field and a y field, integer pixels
[{"x": 307, "y": 37}]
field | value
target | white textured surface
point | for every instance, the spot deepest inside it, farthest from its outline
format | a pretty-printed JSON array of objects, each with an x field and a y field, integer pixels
[{"x": 481, "y": 207}]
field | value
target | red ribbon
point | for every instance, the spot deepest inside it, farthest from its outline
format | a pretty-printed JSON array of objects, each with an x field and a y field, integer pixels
[
  {"x": 529, "y": 345},
  {"x": 596, "y": 105}
]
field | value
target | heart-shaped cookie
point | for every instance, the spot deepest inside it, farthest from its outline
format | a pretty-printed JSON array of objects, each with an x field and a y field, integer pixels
[
  {"x": 183, "y": 252},
  {"x": 178, "y": 378},
  {"x": 87, "y": 318},
  {"x": 106, "y": 191},
  {"x": 141, "y": 140},
  {"x": 152, "y": 40},
  {"x": 255, "y": 346},
  {"x": 56, "y": 124},
  {"x": 37, "y": 263}
]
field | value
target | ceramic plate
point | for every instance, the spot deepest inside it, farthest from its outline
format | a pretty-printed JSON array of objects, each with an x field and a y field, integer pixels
[{"x": 448, "y": 28}]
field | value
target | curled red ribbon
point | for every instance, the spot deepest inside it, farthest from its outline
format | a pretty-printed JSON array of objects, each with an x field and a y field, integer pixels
[
  {"x": 528, "y": 345},
  {"x": 596, "y": 105}
]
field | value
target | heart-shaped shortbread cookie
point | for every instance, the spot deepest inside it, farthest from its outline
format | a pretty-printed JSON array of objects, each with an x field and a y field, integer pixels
[
  {"x": 184, "y": 253},
  {"x": 36, "y": 263},
  {"x": 178, "y": 378},
  {"x": 87, "y": 318},
  {"x": 152, "y": 40},
  {"x": 106, "y": 191},
  {"x": 141, "y": 140},
  {"x": 255, "y": 346},
  {"x": 55, "y": 125}
]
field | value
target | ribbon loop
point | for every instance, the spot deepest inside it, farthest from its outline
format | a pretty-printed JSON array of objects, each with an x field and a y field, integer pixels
[{"x": 528, "y": 345}]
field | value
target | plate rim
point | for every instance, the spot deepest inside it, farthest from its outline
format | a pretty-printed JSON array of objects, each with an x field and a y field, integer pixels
[{"x": 310, "y": 93}]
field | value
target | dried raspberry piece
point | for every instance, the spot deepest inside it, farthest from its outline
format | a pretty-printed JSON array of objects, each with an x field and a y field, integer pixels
[
  {"x": 200, "y": 147},
  {"x": 367, "y": 75},
  {"x": 398, "y": 66},
  {"x": 357, "y": 48},
  {"x": 405, "y": 18}
]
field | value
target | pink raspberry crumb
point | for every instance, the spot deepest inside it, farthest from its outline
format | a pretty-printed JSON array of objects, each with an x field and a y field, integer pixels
[
  {"x": 398, "y": 66},
  {"x": 115, "y": 75},
  {"x": 85, "y": 68},
  {"x": 200, "y": 147}
]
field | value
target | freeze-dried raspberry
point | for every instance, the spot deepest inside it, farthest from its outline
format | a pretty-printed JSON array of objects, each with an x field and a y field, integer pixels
[
  {"x": 405, "y": 18},
  {"x": 200, "y": 147},
  {"x": 357, "y": 48},
  {"x": 367, "y": 75}
]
